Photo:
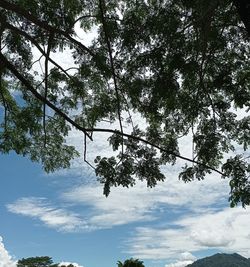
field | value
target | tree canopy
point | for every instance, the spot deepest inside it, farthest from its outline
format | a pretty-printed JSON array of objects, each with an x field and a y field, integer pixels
[
  {"x": 182, "y": 65},
  {"x": 130, "y": 263},
  {"x": 43, "y": 261}
]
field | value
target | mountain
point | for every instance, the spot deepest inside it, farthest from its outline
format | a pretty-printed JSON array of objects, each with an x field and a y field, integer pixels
[{"x": 222, "y": 260}]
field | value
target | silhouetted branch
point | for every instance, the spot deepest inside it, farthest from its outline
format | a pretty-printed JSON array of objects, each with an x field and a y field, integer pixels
[
  {"x": 50, "y": 39},
  {"x": 102, "y": 7},
  {"x": 34, "y": 42},
  {"x": 43, "y": 24},
  {"x": 85, "y": 153},
  {"x": 4, "y": 103},
  {"x": 30, "y": 88}
]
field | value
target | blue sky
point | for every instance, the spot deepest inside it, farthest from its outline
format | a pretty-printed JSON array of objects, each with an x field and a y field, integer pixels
[{"x": 64, "y": 215}]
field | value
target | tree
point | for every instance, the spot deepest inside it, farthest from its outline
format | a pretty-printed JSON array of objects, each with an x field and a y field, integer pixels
[
  {"x": 131, "y": 263},
  {"x": 43, "y": 261},
  {"x": 183, "y": 65}
]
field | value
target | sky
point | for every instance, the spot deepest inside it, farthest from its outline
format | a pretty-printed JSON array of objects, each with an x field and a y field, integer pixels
[{"x": 65, "y": 215}]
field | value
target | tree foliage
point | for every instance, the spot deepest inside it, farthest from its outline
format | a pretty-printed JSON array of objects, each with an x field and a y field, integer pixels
[
  {"x": 183, "y": 65},
  {"x": 43, "y": 261},
  {"x": 130, "y": 263}
]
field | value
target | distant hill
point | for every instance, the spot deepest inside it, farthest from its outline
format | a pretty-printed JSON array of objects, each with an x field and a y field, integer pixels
[{"x": 222, "y": 260}]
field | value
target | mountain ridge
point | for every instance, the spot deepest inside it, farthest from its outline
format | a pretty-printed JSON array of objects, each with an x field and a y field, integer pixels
[{"x": 222, "y": 260}]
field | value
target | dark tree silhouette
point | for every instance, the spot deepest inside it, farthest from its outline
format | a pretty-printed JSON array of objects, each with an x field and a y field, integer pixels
[{"x": 182, "y": 65}]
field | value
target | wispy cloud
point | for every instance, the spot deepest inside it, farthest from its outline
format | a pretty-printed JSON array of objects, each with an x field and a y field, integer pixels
[
  {"x": 140, "y": 203},
  {"x": 123, "y": 206},
  {"x": 227, "y": 230},
  {"x": 5, "y": 259},
  {"x": 53, "y": 217}
]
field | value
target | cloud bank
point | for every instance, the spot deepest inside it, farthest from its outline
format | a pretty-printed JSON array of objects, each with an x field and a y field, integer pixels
[
  {"x": 5, "y": 259},
  {"x": 53, "y": 217},
  {"x": 226, "y": 230},
  {"x": 140, "y": 203}
]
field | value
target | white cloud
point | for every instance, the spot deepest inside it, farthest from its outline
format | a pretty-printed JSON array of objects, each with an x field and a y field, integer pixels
[
  {"x": 53, "y": 217},
  {"x": 184, "y": 259},
  {"x": 123, "y": 206},
  {"x": 182, "y": 263},
  {"x": 140, "y": 203},
  {"x": 66, "y": 263},
  {"x": 187, "y": 256},
  {"x": 5, "y": 259},
  {"x": 226, "y": 230}
]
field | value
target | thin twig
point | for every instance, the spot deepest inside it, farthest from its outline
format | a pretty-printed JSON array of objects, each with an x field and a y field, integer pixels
[
  {"x": 128, "y": 111},
  {"x": 46, "y": 66},
  {"x": 3, "y": 47},
  {"x": 43, "y": 24},
  {"x": 4, "y": 103},
  {"x": 102, "y": 7},
  {"x": 34, "y": 42},
  {"x": 85, "y": 153},
  {"x": 38, "y": 60},
  {"x": 80, "y": 18},
  {"x": 1, "y": 87}
]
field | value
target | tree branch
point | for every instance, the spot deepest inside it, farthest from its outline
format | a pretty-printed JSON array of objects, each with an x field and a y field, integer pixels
[
  {"x": 85, "y": 153},
  {"x": 80, "y": 18},
  {"x": 1, "y": 87},
  {"x": 28, "y": 85},
  {"x": 46, "y": 66},
  {"x": 4, "y": 103},
  {"x": 43, "y": 24},
  {"x": 34, "y": 42},
  {"x": 162, "y": 149},
  {"x": 102, "y": 7}
]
